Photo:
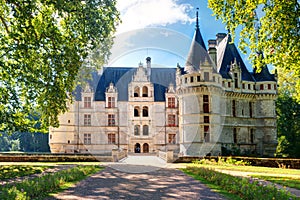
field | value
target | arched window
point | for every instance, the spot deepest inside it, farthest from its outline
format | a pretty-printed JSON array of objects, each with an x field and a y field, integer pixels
[
  {"x": 136, "y": 92},
  {"x": 145, "y": 111},
  {"x": 136, "y": 111},
  {"x": 137, "y": 130},
  {"x": 145, "y": 130},
  {"x": 145, "y": 91}
]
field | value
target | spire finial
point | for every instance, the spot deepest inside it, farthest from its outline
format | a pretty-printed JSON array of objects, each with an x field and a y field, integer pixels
[{"x": 197, "y": 20}]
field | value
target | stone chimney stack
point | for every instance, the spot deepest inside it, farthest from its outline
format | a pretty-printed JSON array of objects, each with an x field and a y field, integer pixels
[
  {"x": 212, "y": 50},
  {"x": 148, "y": 61},
  {"x": 220, "y": 37}
]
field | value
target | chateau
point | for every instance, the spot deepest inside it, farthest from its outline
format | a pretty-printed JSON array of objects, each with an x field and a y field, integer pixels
[{"x": 213, "y": 105}]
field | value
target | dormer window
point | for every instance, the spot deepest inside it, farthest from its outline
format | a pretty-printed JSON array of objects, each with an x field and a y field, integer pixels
[
  {"x": 171, "y": 102},
  {"x": 111, "y": 102},
  {"x": 87, "y": 102},
  {"x": 145, "y": 91},
  {"x": 206, "y": 76},
  {"x": 236, "y": 80}
]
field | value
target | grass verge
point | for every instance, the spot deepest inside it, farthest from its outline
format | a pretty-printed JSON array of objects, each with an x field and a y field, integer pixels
[
  {"x": 242, "y": 187},
  {"x": 42, "y": 186},
  {"x": 284, "y": 181},
  {"x": 213, "y": 187},
  {"x": 13, "y": 171}
]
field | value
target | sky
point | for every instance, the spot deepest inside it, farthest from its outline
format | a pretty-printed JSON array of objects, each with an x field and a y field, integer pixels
[{"x": 162, "y": 30}]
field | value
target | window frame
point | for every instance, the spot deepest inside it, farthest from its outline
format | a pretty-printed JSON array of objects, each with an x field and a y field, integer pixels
[
  {"x": 87, "y": 119},
  {"x": 87, "y": 102}
]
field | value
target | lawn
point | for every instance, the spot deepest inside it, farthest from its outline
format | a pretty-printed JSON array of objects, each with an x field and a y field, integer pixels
[
  {"x": 40, "y": 187},
  {"x": 13, "y": 171},
  {"x": 240, "y": 188}
]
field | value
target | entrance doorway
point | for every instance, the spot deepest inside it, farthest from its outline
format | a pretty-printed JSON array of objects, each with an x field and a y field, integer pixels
[
  {"x": 145, "y": 148},
  {"x": 137, "y": 148}
]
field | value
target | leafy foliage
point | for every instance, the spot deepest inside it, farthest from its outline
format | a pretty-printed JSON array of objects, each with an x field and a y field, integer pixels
[
  {"x": 43, "y": 45},
  {"x": 288, "y": 123},
  {"x": 271, "y": 27},
  {"x": 26, "y": 142}
]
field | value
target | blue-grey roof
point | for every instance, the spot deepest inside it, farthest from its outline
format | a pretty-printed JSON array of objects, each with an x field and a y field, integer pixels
[
  {"x": 263, "y": 75},
  {"x": 122, "y": 76},
  {"x": 228, "y": 53}
]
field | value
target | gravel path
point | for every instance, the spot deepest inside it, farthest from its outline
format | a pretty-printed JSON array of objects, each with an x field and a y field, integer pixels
[{"x": 162, "y": 183}]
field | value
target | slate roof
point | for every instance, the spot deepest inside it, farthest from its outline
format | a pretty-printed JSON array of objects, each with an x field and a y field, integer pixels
[
  {"x": 197, "y": 53},
  {"x": 263, "y": 75},
  {"x": 226, "y": 54},
  {"x": 122, "y": 76}
]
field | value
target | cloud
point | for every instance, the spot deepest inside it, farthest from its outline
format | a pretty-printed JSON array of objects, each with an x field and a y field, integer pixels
[{"x": 137, "y": 14}]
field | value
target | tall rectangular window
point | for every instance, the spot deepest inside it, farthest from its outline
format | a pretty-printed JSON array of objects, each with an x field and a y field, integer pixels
[
  {"x": 236, "y": 80},
  {"x": 192, "y": 79},
  {"x": 251, "y": 135},
  {"x": 233, "y": 108},
  {"x": 172, "y": 138},
  {"x": 205, "y": 103},
  {"x": 111, "y": 138},
  {"x": 145, "y": 130},
  {"x": 243, "y": 85},
  {"x": 111, "y": 102},
  {"x": 171, "y": 120},
  {"x": 250, "y": 109},
  {"x": 249, "y": 87},
  {"x": 111, "y": 120},
  {"x": 206, "y": 134},
  {"x": 229, "y": 84},
  {"x": 234, "y": 136},
  {"x": 87, "y": 102},
  {"x": 198, "y": 79},
  {"x": 206, "y": 119},
  {"x": 171, "y": 102},
  {"x": 269, "y": 86},
  {"x": 137, "y": 130},
  {"x": 261, "y": 86},
  {"x": 206, "y": 76},
  {"x": 87, "y": 139},
  {"x": 87, "y": 119}
]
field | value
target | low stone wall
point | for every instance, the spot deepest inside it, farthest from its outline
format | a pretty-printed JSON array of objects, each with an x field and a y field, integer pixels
[
  {"x": 118, "y": 154},
  {"x": 263, "y": 162},
  {"x": 54, "y": 158},
  {"x": 167, "y": 156}
]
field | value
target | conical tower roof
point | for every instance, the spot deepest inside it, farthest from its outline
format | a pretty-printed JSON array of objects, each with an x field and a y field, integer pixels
[{"x": 198, "y": 53}]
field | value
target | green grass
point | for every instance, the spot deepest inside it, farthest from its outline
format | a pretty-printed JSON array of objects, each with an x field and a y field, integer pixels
[
  {"x": 40, "y": 187},
  {"x": 212, "y": 186},
  {"x": 284, "y": 181},
  {"x": 239, "y": 187},
  {"x": 253, "y": 169},
  {"x": 13, "y": 171}
]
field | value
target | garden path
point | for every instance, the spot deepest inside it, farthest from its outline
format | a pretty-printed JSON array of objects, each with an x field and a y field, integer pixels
[{"x": 119, "y": 181}]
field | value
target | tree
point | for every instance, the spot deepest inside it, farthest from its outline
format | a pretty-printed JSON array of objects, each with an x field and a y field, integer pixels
[
  {"x": 288, "y": 123},
  {"x": 43, "y": 45},
  {"x": 270, "y": 27}
]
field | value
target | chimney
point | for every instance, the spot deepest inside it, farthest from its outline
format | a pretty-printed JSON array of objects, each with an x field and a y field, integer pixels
[
  {"x": 212, "y": 51},
  {"x": 148, "y": 61},
  {"x": 220, "y": 37}
]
